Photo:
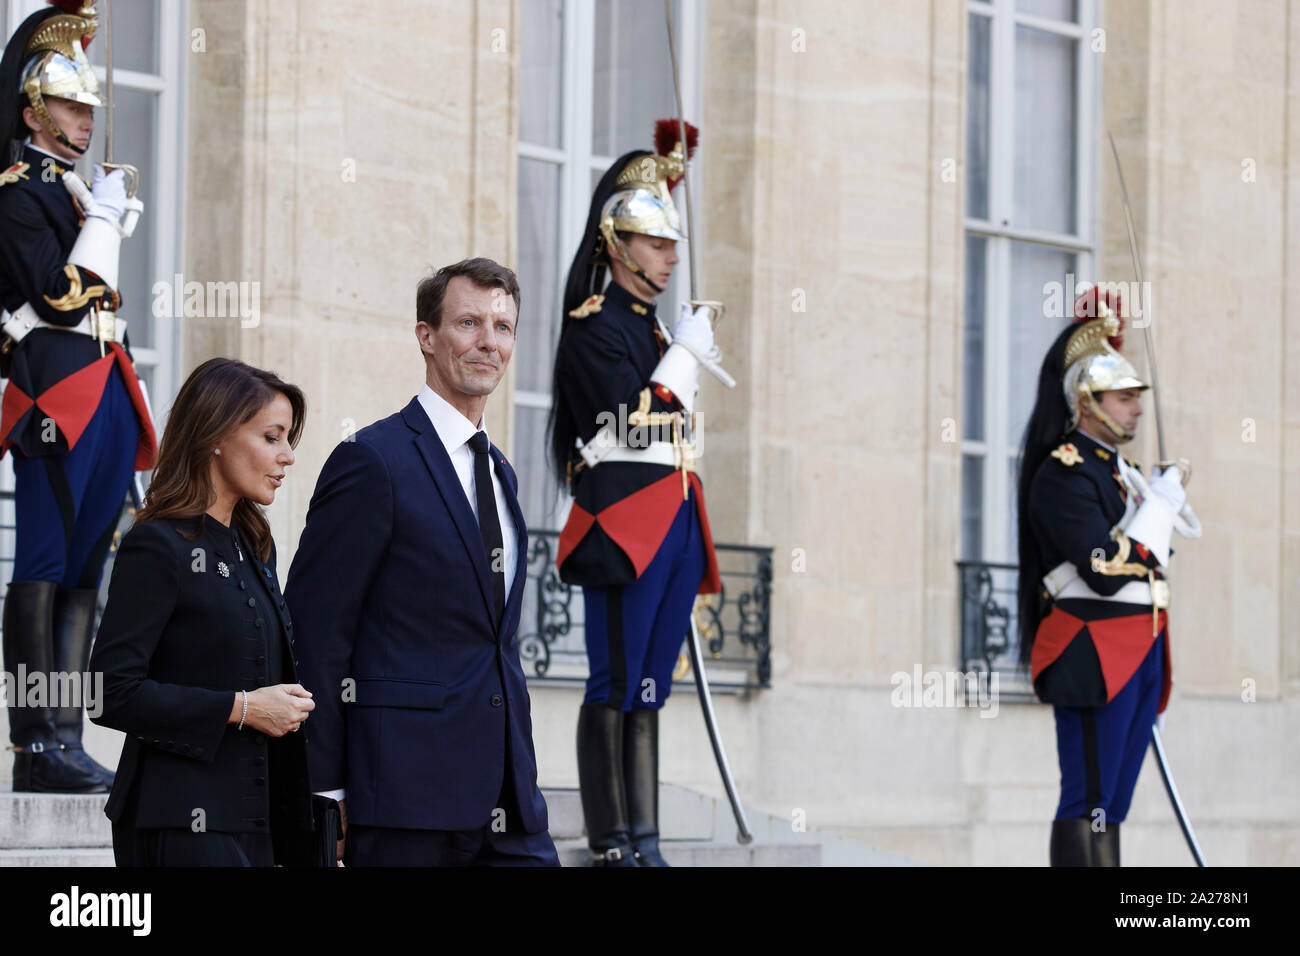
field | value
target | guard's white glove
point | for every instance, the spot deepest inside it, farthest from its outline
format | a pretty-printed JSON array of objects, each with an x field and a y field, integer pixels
[
  {"x": 692, "y": 346},
  {"x": 1168, "y": 487},
  {"x": 1153, "y": 523},
  {"x": 108, "y": 190},
  {"x": 694, "y": 330}
]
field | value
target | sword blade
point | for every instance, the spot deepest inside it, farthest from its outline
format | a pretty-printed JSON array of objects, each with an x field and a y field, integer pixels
[
  {"x": 743, "y": 834},
  {"x": 108, "y": 80},
  {"x": 1167, "y": 775},
  {"x": 681, "y": 134},
  {"x": 1148, "y": 336}
]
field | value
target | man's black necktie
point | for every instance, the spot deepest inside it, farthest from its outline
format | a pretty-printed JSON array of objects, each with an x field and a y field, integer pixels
[{"x": 489, "y": 524}]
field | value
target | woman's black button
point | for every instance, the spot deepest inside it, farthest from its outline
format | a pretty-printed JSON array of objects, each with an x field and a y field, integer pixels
[
  {"x": 496, "y": 700},
  {"x": 252, "y": 602}
]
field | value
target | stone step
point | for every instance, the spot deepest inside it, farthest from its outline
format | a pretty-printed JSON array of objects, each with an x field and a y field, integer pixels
[
  {"x": 71, "y": 830},
  {"x": 57, "y": 856},
  {"x": 564, "y": 812},
  {"x": 45, "y": 821},
  {"x": 708, "y": 853}
]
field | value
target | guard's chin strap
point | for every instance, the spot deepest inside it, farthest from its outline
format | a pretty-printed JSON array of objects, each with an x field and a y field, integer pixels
[
  {"x": 1088, "y": 400},
  {"x": 625, "y": 257},
  {"x": 61, "y": 136}
]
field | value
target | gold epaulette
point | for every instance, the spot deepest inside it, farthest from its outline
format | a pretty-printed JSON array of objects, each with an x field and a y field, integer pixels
[
  {"x": 14, "y": 173},
  {"x": 1067, "y": 454},
  {"x": 590, "y": 307}
]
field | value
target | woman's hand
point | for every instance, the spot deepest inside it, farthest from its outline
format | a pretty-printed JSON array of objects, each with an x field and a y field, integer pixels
[{"x": 279, "y": 709}]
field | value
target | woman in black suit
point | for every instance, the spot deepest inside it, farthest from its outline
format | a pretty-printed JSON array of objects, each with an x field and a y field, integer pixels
[{"x": 196, "y": 645}]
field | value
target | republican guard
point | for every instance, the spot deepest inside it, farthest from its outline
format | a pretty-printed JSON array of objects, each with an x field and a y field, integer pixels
[
  {"x": 73, "y": 413},
  {"x": 622, "y": 440},
  {"x": 1094, "y": 548}
]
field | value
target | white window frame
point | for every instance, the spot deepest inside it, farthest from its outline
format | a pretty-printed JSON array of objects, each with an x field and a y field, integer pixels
[
  {"x": 998, "y": 449},
  {"x": 574, "y": 156}
]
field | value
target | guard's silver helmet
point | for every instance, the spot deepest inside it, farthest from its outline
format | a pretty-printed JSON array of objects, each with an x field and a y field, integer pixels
[
  {"x": 57, "y": 66},
  {"x": 1093, "y": 364},
  {"x": 641, "y": 210},
  {"x": 643, "y": 202}
]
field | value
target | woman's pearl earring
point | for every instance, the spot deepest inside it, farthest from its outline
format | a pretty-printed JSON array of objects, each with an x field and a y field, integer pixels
[{"x": 216, "y": 451}]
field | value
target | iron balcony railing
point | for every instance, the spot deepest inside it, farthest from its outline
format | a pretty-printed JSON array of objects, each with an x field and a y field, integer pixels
[
  {"x": 735, "y": 625},
  {"x": 990, "y": 628}
]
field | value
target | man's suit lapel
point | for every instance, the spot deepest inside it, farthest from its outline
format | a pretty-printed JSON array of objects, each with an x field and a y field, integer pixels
[{"x": 453, "y": 495}]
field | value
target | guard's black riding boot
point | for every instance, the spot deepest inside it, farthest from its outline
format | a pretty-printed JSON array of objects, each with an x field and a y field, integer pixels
[
  {"x": 39, "y": 764},
  {"x": 1105, "y": 846},
  {"x": 600, "y": 777},
  {"x": 74, "y": 628},
  {"x": 1072, "y": 842},
  {"x": 641, "y": 777}
]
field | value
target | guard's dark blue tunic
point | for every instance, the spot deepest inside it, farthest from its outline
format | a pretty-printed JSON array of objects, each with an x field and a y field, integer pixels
[
  {"x": 636, "y": 541},
  {"x": 1103, "y": 663}
]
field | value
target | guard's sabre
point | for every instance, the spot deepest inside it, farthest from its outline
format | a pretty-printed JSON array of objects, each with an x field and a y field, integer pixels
[
  {"x": 110, "y": 109},
  {"x": 1157, "y": 744},
  {"x": 714, "y": 307},
  {"x": 681, "y": 135},
  {"x": 743, "y": 834},
  {"x": 1171, "y": 788},
  {"x": 1148, "y": 336},
  {"x": 108, "y": 81}
]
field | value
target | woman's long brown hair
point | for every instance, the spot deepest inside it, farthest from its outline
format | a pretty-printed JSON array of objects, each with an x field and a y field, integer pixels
[{"x": 219, "y": 396}]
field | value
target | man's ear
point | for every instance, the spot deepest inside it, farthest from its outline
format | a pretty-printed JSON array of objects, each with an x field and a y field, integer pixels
[
  {"x": 423, "y": 335},
  {"x": 32, "y": 121}
]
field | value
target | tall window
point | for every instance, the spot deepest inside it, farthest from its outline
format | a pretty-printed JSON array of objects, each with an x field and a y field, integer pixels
[
  {"x": 150, "y": 47},
  {"x": 594, "y": 76},
  {"x": 1031, "y": 139}
]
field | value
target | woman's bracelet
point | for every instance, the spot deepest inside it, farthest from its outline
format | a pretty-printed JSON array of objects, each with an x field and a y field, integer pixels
[{"x": 244, "y": 716}]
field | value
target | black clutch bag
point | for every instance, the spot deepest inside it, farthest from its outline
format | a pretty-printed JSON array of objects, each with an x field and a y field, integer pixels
[
  {"x": 297, "y": 846},
  {"x": 327, "y": 830}
]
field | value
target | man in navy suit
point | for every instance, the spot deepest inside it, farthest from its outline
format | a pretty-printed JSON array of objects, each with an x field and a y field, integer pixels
[{"x": 405, "y": 594}]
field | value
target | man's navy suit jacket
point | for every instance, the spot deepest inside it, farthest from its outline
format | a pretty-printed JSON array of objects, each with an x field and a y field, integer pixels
[{"x": 417, "y": 687}]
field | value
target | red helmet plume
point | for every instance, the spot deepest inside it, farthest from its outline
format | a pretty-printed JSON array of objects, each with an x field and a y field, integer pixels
[
  {"x": 1086, "y": 309},
  {"x": 668, "y": 135}
]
